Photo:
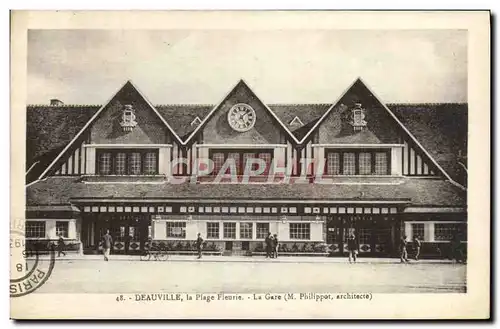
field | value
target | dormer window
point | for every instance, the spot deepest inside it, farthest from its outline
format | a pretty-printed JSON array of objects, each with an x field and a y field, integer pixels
[
  {"x": 196, "y": 121},
  {"x": 358, "y": 117},
  {"x": 128, "y": 118},
  {"x": 296, "y": 122}
]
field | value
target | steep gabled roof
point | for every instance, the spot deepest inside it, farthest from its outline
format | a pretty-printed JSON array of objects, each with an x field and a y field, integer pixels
[
  {"x": 240, "y": 84},
  {"x": 359, "y": 83},
  {"x": 180, "y": 117},
  {"x": 442, "y": 131},
  {"x": 307, "y": 113},
  {"x": 127, "y": 88}
]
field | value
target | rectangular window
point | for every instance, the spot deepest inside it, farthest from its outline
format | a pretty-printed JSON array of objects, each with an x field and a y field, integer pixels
[
  {"x": 127, "y": 162},
  {"x": 448, "y": 231},
  {"x": 262, "y": 230},
  {"x": 381, "y": 167},
  {"x": 134, "y": 162},
  {"x": 121, "y": 163},
  {"x": 267, "y": 158},
  {"x": 213, "y": 230},
  {"x": 246, "y": 157},
  {"x": 150, "y": 163},
  {"x": 105, "y": 163},
  {"x": 349, "y": 164},
  {"x": 333, "y": 163},
  {"x": 300, "y": 231},
  {"x": 357, "y": 162},
  {"x": 235, "y": 163},
  {"x": 365, "y": 235},
  {"x": 35, "y": 229},
  {"x": 365, "y": 163},
  {"x": 229, "y": 231},
  {"x": 239, "y": 158},
  {"x": 176, "y": 230},
  {"x": 218, "y": 160},
  {"x": 246, "y": 230},
  {"x": 417, "y": 230},
  {"x": 62, "y": 229}
]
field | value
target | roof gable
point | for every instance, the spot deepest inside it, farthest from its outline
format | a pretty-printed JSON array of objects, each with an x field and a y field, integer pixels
[
  {"x": 361, "y": 87},
  {"x": 306, "y": 113},
  {"x": 127, "y": 91},
  {"x": 442, "y": 130},
  {"x": 181, "y": 116},
  {"x": 245, "y": 94}
]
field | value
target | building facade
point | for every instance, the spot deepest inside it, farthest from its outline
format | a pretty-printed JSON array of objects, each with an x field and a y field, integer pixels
[{"x": 235, "y": 171}]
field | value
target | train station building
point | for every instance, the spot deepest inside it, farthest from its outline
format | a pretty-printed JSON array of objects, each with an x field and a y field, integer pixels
[{"x": 240, "y": 169}]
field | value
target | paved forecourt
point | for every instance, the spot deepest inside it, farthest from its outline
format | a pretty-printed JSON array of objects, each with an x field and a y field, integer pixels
[{"x": 248, "y": 275}]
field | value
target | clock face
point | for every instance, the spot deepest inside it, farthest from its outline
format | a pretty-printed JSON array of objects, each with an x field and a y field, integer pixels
[{"x": 241, "y": 117}]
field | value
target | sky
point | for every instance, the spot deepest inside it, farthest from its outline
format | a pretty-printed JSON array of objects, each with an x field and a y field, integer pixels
[{"x": 281, "y": 66}]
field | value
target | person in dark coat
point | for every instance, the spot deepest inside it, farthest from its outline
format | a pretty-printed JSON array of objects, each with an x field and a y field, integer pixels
[
  {"x": 107, "y": 242},
  {"x": 403, "y": 250},
  {"x": 417, "y": 244},
  {"x": 275, "y": 245},
  {"x": 60, "y": 246},
  {"x": 269, "y": 245},
  {"x": 199, "y": 245},
  {"x": 352, "y": 247}
]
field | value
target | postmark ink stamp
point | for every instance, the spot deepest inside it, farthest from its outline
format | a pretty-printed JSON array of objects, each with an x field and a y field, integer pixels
[{"x": 28, "y": 270}]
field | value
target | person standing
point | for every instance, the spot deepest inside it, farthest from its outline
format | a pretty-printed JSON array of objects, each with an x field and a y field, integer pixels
[
  {"x": 199, "y": 245},
  {"x": 107, "y": 242},
  {"x": 403, "y": 249},
  {"x": 276, "y": 245},
  {"x": 269, "y": 245},
  {"x": 417, "y": 244},
  {"x": 60, "y": 246},
  {"x": 352, "y": 247}
]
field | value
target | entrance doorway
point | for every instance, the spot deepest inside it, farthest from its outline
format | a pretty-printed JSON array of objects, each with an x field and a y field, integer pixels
[
  {"x": 129, "y": 232},
  {"x": 375, "y": 234}
]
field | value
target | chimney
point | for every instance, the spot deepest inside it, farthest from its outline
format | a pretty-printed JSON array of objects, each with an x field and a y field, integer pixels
[{"x": 56, "y": 102}]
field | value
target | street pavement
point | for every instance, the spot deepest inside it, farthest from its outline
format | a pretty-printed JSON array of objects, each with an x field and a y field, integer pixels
[{"x": 90, "y": 274}]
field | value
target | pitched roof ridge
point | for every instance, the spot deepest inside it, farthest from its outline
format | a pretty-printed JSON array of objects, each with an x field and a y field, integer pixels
[
  {"x": 64, "y": 105},
  {"x": 185, "y": 104},
  {"x": 428, "y": 103},
  {"x": 295, "y": 104}
]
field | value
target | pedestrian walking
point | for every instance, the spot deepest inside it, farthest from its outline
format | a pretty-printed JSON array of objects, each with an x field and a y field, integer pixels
[
  {"x": 276, "y": 245},
  {"x": 107, "y": 242},
  {"x": 352, "y": 247},
  {"x": 403, "y": 250},
  {"x": 269, "y": 245},
  {"x": 199, "y": 245},
  {"x": 60, "y": 246},
  {"x": 417, "y": 244}
]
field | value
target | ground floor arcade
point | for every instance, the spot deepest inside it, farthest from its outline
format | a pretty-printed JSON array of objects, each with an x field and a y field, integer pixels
[{"x": 241, "y": 229}]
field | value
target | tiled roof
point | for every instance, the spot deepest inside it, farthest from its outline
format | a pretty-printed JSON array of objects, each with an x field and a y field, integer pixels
[
  {"x": 421, "y": 192},
  {"x": 307, "y": 113},
  {"x": 442, "y": 131},
  {"x": 440, "y": 128},
  {"x": 180, "y": 117}
]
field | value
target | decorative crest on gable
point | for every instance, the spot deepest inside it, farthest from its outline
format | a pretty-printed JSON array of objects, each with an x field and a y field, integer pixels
[
  {"x": 128, "y": 122},
  {"x": 357, "y": 117}
]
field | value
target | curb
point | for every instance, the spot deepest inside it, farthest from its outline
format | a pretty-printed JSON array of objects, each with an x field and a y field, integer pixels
[{"x": 224, "y": 259}]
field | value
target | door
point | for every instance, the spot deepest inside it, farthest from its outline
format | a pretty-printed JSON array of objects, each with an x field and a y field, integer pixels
[
  {"x": 229, "y": 246},
  {"x": 129, "y": 232}
]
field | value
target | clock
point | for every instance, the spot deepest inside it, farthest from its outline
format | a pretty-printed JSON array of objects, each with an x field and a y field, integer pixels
[{"x": 241, "y": 117}]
